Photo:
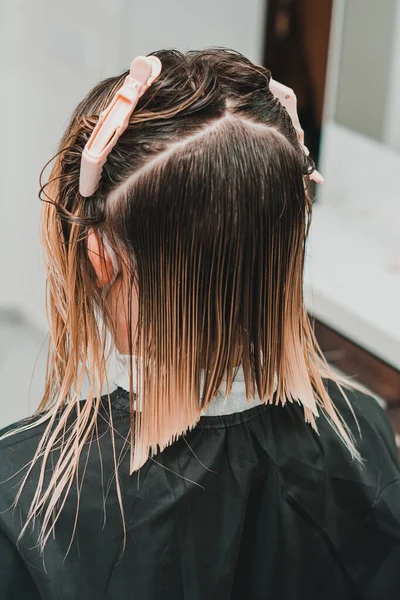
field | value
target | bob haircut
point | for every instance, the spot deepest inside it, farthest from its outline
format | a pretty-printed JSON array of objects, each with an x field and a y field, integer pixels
[{"x": 204, "y": 198}]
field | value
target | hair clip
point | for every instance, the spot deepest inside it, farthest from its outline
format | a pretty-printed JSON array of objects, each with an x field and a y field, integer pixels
[
  {"x": 114, "y": 120},
  {"x": 287, "y": 98}
]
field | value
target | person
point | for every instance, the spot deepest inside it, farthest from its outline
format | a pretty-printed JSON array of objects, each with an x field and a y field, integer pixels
[{"x": 229, "y": 460}]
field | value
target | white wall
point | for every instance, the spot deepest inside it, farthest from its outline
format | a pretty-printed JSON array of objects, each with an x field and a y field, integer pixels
[
  {"x": 353, "y": 270},
  {"x": 367, "y": 44},
  {"x": 52, "y": 53},
  {"x": 193, "y": 24},
  {"x": 49, "y": 60}
]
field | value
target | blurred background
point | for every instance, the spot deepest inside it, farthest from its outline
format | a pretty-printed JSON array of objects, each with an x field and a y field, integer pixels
[{"x": 342, "y": 57}]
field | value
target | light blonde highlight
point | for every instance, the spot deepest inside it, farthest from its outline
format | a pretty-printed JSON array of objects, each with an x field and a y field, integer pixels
[{"x": 209, "y": 299}]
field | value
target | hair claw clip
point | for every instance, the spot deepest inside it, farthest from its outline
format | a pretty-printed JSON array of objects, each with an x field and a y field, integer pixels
[
  {"x": 287, "y": 98},
  {"x": 114, "y": 120}
]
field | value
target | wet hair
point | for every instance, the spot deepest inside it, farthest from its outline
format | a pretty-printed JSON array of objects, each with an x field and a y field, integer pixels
[{"x": 204, "y": 198}]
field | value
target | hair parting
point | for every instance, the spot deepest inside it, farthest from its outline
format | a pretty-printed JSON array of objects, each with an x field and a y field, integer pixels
[{"x": 204, "y": 201}]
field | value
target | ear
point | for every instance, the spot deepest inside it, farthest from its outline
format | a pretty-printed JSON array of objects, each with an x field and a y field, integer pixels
[{"x": 100, "y": 259}]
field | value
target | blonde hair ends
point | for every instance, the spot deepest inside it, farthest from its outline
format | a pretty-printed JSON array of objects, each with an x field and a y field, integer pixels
[{"x": 203, "y": 199}]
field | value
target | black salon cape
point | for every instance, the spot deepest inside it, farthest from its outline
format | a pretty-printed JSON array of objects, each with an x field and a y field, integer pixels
[{"x": 250, "y": 506}]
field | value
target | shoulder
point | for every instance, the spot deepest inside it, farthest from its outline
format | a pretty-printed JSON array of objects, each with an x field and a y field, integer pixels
[
  {"x": 20, "y": 434},
  {"x": 370, "y": 426},
  {"x": 20, "y": 439},
  {"x": 18, "y": 444},
  {"x": 358, "y": 405}
]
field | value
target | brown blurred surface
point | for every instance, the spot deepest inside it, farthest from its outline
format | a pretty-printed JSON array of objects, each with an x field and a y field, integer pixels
[
  {"x": 314, "y": 23},
  {"x": 296, "y": 52}
]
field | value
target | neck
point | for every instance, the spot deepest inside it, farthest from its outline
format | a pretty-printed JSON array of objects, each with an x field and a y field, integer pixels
[{"x": 220, "y": 405}]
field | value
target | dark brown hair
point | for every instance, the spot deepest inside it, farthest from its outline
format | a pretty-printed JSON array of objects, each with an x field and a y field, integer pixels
[{"x": 204, "y": 198}]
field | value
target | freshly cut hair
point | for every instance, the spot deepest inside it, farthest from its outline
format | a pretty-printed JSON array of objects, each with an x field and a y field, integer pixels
[{"x": 204, "y": 198}]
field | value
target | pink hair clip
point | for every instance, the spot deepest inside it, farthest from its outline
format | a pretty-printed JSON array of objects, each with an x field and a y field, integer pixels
[
  {"x": 287, "y": 98},
  {"x": 114, "y": 120}
]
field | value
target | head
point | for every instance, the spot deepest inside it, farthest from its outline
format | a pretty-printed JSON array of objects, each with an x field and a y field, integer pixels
[{"x": 190, "y": 253}]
